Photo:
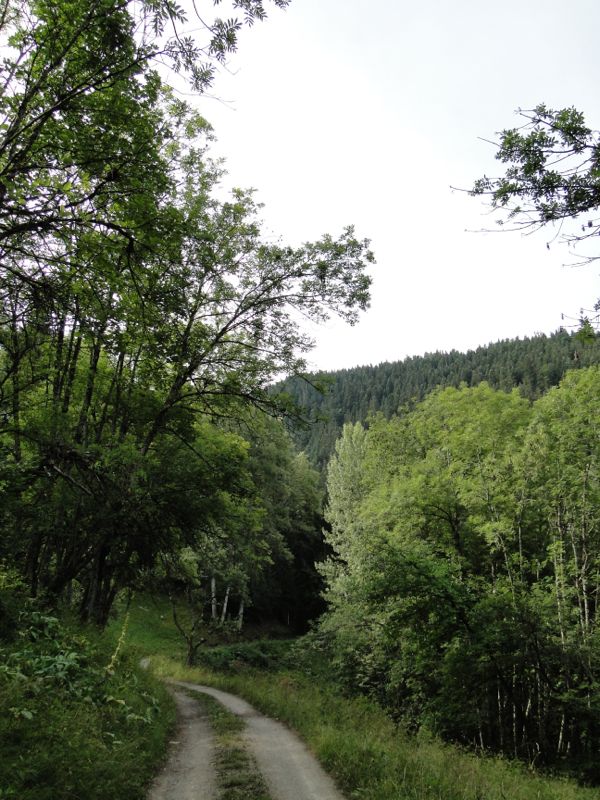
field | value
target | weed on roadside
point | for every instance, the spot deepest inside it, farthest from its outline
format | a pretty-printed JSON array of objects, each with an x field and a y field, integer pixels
[{"x": 77, "y": 717}]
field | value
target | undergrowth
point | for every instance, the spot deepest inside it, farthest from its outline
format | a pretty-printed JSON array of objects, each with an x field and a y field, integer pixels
[
  {"x": 152, "y": 630},
  {"x": 264, "y": 655},
  {"x": 77, "y": 717}
]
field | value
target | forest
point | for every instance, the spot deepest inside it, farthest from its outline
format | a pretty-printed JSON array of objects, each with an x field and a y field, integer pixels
[
  {"x": 464, "y": 591},
  {"x": 142, "y": 320},
  {"x": 330, "y": 399},
  {"x": 426, "y": 531}
]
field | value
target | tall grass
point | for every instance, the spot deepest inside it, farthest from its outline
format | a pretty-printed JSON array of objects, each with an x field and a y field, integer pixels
[{"x": 151, "y": 628}]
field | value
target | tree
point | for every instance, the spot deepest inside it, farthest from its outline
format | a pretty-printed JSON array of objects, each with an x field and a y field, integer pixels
[
  {"x": 553, "y": 176},
  {"x": 468, "y": 601},
  {"x": 345, "y": 491},
  {"x": 532, "y": 365},
  {"x": 562, "y": 468},
  {"x": 136, "y": 308},
  {"x": 80, "y": 145},
  {"x": 287, "y": 589}
]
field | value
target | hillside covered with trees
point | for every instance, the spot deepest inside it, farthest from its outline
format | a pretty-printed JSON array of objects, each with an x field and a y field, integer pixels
[
  {"x": 453, "y": 563},
  {"x": 329, "y": 400}
]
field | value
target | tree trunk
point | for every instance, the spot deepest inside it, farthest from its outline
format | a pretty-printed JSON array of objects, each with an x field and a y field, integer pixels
[
  {"x": 72, "y": 359},
  {"x": 225, "y": 603},
  {"x": 213, "y": 598},
  {"x": 82, "y": 426},
  {"x": 16, "y": 389}
]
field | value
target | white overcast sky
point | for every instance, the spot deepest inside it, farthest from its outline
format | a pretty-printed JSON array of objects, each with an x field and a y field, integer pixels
[{"x": 365, "y": 112}]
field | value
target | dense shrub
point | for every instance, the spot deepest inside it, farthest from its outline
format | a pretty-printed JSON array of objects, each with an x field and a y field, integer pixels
[
  {"x": 75, "y": 720},
  {"x": 264, "y": 654}
]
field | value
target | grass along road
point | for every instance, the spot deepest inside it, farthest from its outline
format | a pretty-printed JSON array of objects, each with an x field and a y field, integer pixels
[
  {"x": 356, "y": 742},
  {"x": 368, "y": 756}
]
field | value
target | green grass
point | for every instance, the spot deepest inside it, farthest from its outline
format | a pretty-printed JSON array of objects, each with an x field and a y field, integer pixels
[
  {"x": 151, "y": 628},
  {"x": 70, "y": 727},
  {"x": 353, "y": 738},
  {"x": 223, "y": 722}
]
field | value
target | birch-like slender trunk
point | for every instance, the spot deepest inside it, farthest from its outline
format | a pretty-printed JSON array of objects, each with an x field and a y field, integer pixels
[
  {"x": 16, "y": 387},
  {"x": 225, "y": 604}
]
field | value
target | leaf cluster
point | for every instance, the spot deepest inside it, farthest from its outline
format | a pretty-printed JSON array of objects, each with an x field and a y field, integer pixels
[{"x": 553, "y": 174}]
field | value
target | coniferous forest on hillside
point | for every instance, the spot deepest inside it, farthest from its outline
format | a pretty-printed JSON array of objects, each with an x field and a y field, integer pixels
[
  {"x": 531, "y": 365},
  {"x": 427, "y": 532}
]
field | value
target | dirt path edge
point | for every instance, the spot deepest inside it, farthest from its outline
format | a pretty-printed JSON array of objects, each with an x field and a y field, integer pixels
[{"x": 189, "y": 773}]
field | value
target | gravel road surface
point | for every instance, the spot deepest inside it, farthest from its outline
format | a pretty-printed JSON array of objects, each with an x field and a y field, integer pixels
[
  {"x": 290, "y": 771},
  {"x": 189, "y": 773}
]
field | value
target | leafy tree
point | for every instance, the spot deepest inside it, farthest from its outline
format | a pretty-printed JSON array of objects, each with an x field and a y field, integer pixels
[
  {"x": 467, "y": 602},
  {"x": 136, "y": 309},
  {"x": 563, "y": 481},
  {"x": 345, "y": 490},
  {"x": 553, "y": 173},
  {"x": 332, "y": 399},
  {"x": 552, "y": 178},
  {"x": 287, "y": 589},
  {"x": 354, "y": 623}
]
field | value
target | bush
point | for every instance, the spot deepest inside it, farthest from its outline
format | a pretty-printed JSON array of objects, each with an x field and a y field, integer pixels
[
  {"x": 12, "y": 600},
  {"x": 71, "y": 727},
  {"x": 263, "y": 654}
]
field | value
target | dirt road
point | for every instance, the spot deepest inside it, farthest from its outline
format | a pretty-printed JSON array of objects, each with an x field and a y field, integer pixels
[
  {"x": 290, "y": 771},
  {"x": 189, "y": 773}
]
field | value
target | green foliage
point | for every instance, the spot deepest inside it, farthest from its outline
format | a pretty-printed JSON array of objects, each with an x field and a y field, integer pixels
[
  {"x": 552, "y": 172},
  {"x": 267, "y": 654},
  {"x": 533, "y": 365},
  {"x": 69, "y": 727},
  {"x": 140, "y": 313},
  {"x": 463, "y": 584},
  {"x": 288, "y": 589},
  {"x": 366, "y": 753},
  {"x": 12, "y": 599}
]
